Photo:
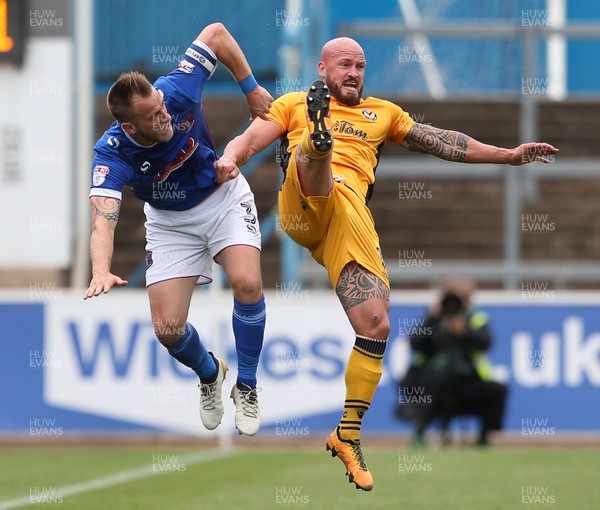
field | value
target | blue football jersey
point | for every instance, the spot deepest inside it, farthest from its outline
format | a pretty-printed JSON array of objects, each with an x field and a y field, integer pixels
[{"x": 174, "y": 175}]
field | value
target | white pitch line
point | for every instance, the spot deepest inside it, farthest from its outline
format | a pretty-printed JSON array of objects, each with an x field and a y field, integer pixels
[{"x": 115, "y": 479}]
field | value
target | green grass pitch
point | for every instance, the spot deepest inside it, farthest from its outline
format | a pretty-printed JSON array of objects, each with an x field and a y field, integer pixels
[{"x": 148, "y": 478}]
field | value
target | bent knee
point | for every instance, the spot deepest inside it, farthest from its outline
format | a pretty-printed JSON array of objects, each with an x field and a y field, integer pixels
[
  {"x": 248, "y": 289},
  {"x": 376, "y": 325},
  {"x": 168, "y": 332},
  {"x": 381, "y": 326}
]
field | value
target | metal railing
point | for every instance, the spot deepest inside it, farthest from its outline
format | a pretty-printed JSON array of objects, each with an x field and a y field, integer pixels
[
  {"x": 507, "y": 273},
  {"x": 519, "y": 184}
]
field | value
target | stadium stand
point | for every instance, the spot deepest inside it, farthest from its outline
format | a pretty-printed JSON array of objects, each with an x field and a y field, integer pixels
[{"x": 465, "y": 219}]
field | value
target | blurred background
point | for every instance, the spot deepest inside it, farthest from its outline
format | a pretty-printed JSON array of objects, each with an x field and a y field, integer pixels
[{"x": 502, "y": 71}]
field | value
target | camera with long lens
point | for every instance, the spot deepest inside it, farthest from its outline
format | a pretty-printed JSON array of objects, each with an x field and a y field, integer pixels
[{"x": 451, "y": 304}]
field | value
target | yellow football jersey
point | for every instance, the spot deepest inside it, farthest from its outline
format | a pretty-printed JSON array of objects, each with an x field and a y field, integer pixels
[{"x": 359, "y": 133}]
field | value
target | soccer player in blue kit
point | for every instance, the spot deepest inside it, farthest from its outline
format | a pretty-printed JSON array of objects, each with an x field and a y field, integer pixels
[{"x": 161, "y": 147}]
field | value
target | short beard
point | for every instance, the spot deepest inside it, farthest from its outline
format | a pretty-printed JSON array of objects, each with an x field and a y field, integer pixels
[
  {"x": 164, "y": 138},
  {"x": 336, "y": 92}
]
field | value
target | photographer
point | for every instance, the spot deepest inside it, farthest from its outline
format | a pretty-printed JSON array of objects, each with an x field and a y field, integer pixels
[{"x": 449, "y": 366}]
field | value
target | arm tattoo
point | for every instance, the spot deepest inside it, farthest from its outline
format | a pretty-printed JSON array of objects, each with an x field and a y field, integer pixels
[
  {"x": 107, "y": 207},
  {"x": 449, "y": 145},
  {"x": 356, "y": 285},
  {"x": 244, "y": 158}
]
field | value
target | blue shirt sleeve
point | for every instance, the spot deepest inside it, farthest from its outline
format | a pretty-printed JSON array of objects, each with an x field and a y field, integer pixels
[
  {"x": 109, "y": 175},
  {"x": 188, "y": 78}
]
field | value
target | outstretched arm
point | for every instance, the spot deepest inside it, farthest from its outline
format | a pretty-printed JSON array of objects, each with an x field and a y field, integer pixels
[
  {"x": 455, "y": 146},
  {"x": 227, "y": 50},
  {"x": 105, "y": 214},
  {"x": 259, "y": 135}
]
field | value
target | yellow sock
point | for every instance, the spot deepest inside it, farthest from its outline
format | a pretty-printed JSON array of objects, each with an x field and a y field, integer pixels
[
  {"x": 362, "y": 377},
  {"x": 307, "y": 148}
]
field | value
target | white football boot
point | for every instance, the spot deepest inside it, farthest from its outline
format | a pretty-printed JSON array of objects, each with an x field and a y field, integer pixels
[
  {"x": 247, "y": 414},
  {"x": 211, "y": 403}
]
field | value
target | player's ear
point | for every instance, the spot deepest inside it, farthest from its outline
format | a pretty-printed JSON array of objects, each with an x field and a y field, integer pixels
[
  {"x": 321, "y": 69},
  {"x": 128, "y": 128}
]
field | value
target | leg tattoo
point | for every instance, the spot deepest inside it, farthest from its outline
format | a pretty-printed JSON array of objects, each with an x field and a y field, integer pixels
[{"x": 357, "y": 284}]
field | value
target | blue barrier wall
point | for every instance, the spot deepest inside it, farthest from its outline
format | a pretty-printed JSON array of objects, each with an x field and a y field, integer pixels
[{"x": 72, "y": 366}]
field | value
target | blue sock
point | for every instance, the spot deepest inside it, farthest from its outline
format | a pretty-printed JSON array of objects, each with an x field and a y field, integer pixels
[
  {"x": 249, "y": 331},
  {"x": 190, "y": 351}
]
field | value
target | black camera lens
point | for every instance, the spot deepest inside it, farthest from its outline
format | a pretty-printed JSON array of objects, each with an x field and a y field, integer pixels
[{"x": 451, "y": 304}]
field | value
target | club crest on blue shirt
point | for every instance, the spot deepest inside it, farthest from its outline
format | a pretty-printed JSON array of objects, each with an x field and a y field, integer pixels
[{"x": 183, "y": 125}]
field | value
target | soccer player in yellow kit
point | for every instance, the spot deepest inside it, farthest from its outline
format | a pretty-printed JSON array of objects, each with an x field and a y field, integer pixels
[{"x": 334, "y": 137}]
